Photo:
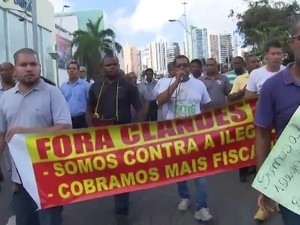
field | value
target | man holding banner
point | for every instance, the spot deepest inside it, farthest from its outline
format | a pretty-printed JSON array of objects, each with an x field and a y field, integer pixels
[
  {"x": 32, "y": 106},
  {"x": 186, "y": 96},
  {"x": 279, "y": 99},
  {"x": 110, "y": 103}
]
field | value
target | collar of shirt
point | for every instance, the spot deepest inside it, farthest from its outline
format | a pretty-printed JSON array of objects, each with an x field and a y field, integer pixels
[
  {"x": 233, "y": 72},
  {"x": 152, "y": 82},
  {"x": 40, "y": 86},
  {"x": 79, "y": 81},
  {"x": 288, "y": 77},
  {"x": 245, "y": 75},
  {"x": 212, "y": 78}
]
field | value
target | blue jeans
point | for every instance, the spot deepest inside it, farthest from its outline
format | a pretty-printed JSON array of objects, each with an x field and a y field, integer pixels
[
  {"x": 289, "y": 217},
  {"x": 183, "y": 192},
  {"x": 25, "y": 208},
  {"x": 122, "y": 204}
]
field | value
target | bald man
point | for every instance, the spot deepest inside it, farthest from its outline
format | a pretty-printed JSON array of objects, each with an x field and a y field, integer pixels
[
  {"x": 6, "y": 73},
  {"x": 7, "y": 82}
]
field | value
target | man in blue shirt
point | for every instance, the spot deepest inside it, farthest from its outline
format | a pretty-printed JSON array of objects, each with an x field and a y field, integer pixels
[
  {"x": 279, "y": 99},
  {"x": 76, "y": 92}
]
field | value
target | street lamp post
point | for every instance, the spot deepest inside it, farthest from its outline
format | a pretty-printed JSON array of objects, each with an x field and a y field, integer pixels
[
  {"x": 62, "y": 12},
  {"x": 35, "y": 26},
  {"x": 186, "y": 25},
  {"x": 187, "y": 32}
]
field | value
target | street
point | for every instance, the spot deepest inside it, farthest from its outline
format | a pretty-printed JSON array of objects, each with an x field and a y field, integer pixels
[{"x": 230, "y": 202}]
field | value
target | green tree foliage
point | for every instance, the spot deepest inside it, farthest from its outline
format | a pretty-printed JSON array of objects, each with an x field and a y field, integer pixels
[
  {"x": 93, "y": 44},
  {"x": 265, "y": 20}
]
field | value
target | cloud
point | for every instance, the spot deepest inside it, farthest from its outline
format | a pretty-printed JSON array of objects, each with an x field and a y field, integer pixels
[
  {"x": 153, "y": 15},
  {"x": 59, "y": 4}
]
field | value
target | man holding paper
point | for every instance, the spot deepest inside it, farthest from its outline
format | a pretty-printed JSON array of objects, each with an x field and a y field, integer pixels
[{"x": 279, "y": 99}]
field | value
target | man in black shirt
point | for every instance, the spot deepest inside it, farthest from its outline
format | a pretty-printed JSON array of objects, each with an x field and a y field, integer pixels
[{"x": 110, "y": 102}]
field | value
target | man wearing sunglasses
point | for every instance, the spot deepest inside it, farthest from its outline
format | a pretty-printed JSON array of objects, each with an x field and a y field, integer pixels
[
  {"x": 279, "y": 99},
  {"x": 184, "y": 96}
]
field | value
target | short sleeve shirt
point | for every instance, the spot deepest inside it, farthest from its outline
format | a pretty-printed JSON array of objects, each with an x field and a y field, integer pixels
[
  {"x": 186, "y": 99},
  {"x": 275, "y": 104},
  {"x": 218, "y": 88},
  {"x": 44, "y": 106},
  {"x": 258, "y": 77},
  {"x": 239, "y": 83}
]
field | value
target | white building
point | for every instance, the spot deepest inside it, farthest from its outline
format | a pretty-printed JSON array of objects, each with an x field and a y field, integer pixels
[
  {"x": 132, "y": 59},
  {"x": 16, "y": 32},
  {"x": 226, "y": 48},
  {"x": 172, "y": 51},
  {"x": 214, "y": 47},
  {"x": 159, "y": 50},
  {"x": 199, "y": 46}
]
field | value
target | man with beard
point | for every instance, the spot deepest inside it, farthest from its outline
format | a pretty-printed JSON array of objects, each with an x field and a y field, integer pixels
[
  {"x": 7, "y": 82},
  {"x": 238, "y": 65},
  {"x": 110, "y": 103},
  {"x": 238, "y": 92},
  {"x": 196, "y": 68},
  {"x": 239, "y": 85},
  {"x": 278, "y": 100},
  {"x": 32, "y": 106}
]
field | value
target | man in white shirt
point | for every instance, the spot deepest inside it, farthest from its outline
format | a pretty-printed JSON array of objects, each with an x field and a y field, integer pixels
[
  {"x": 162, "y": 110},
  {"x": 273, "y": 55},
  {"x": 186, "y": 96},
  {"x": 83, "y": 76}
]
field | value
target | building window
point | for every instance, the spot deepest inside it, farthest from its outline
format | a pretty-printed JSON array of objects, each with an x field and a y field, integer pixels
[
  {"x": 30, "y": 35},
  {"x": 47, "y": 48},
  {"x": 2, "y": 38},
  {"x": 17, "y": 34}
]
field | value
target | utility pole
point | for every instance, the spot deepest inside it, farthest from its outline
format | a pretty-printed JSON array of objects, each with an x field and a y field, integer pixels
[
  {"x": 186, "y": 26},
  {"x": 35, "y": 26}
]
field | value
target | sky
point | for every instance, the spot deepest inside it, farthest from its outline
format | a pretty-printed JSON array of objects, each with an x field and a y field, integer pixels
[{"x": 139, "y": 22}]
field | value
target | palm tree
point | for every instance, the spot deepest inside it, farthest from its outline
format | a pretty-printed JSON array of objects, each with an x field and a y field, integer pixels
[{"x": 93, "y": 44}]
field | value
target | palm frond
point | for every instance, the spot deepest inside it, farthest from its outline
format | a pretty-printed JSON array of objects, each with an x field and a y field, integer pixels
[{"x": 92, "y": 44}]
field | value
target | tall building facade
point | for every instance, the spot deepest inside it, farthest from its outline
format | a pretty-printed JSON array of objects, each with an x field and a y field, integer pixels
[
  {"x": 226, "y": 48},
  {"x": 199, "y": 43},
  {"x": 158, "y": 52},
  {"x": 132, "y": 59},
  {"x": 214, "y": 47},
  {"x": 17, "y": 32},
  {"x": 172, "y": 51}
]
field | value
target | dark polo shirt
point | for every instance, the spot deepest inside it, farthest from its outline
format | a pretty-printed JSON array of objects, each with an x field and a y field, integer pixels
[
  {"x": 278, "y": 101},
  {"x": 218, "y": 89},
  {"x": 128, "y": 95}
]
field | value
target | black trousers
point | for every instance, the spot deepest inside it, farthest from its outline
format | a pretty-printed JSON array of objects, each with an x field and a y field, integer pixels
[
  {"x": 247, "y": 171},
  {"x": 79, "y": 122},
  {"x": 152, "y": 111}
]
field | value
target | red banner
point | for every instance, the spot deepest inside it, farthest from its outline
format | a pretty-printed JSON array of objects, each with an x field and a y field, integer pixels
[{"x": 91, "y": 163}]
